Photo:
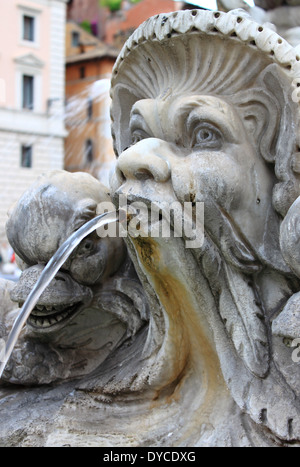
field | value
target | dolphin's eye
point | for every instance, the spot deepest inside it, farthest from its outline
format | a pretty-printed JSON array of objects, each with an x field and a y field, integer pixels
[
  {"x": 206, "y": 136},
  {"x": 85, "y": 247},
  {"x": 88, "y": 245}
]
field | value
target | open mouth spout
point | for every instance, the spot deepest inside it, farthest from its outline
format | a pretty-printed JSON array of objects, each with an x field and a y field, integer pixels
[
  {"x": 59, "y": 303},
  {"x": 45, "y": 317}
]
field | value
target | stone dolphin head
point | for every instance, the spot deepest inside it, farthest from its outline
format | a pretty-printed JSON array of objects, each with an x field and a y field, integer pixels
[{"x": 83, "y": 314}]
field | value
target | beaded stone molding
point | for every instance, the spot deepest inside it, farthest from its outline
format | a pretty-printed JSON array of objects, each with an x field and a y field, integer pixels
[{"x": 216, "y": 69}]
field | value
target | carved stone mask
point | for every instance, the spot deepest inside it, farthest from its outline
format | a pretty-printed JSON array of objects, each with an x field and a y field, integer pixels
[{"x": 203, "y": 112}]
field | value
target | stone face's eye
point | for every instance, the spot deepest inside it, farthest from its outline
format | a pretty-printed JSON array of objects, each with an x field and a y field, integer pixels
[
  {"x": 206, "y": 136},
  {"x": 138, "y": 135}
]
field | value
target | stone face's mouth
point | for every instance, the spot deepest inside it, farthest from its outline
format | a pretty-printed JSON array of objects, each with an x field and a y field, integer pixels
[{"x": 44, "y": 318}]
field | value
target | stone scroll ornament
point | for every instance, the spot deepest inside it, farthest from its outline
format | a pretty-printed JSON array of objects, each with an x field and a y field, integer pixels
[{"x": 204, "y": 110}]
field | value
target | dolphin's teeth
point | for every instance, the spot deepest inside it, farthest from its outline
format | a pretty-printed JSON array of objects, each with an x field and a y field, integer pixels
[{"x": 46, "y": 316}]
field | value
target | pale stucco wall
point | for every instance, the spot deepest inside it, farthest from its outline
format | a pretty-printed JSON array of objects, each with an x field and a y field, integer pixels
[
  {"x": 43, "y": 127},
  {"x": 14, "y": 47}
]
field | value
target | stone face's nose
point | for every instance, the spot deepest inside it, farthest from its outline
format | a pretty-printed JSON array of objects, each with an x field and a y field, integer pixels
[{"x": 146, "y": 160}]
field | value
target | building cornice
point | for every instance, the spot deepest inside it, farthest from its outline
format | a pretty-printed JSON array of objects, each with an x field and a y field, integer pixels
[
  {"x": 31, "y": 123},
  {"x": 48, "y": 3},
  {"x": 29, "y": 60},
  {"x": 29, "y": 8}
]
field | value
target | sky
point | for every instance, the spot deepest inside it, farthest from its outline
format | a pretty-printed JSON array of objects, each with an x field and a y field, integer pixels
[{"x": 212, "y": 4}]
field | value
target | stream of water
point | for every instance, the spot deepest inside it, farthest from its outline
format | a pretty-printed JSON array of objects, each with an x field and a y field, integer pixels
[{"x": 46, "y": 277}]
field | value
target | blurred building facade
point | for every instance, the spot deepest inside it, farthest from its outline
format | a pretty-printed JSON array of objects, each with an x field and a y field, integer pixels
[
  {"x": 121, "y": 24},
  {"x": 94, "y": 37},
  {"x": 89, "y": 63},
  {"x": 88, "y": 12},
  {"x": 114, "y": 27},
  {"x": 32, "y": 92}
]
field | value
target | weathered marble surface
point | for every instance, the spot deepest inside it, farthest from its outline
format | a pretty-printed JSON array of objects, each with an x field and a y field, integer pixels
[{"x": 202, "y": 111}]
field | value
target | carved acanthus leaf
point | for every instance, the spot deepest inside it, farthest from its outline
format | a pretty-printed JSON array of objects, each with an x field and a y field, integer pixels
[{"x": 244, "y": 322}]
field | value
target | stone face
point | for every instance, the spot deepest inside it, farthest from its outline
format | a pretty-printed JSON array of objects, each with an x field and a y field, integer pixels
[
  {"x": 199, "y": 105},
  {"x": 204, "y": 112}
]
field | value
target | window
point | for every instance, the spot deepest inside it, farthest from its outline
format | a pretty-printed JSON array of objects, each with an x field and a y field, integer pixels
[
  {"x": 89, "y": 153},
  {"x": 75, "y": 39},
  {"x": 26, "y": 156},
  {"x": 28, "y": 92},
  {"x": 82, "y": 72},
  {"x": 29, "y": 25},
  {"x": 90, "y": 109},
  {"x": 28, "y": 28}
]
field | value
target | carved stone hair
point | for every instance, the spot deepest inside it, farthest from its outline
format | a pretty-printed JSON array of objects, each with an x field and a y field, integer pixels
[{"x": 247, "y": 64}]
